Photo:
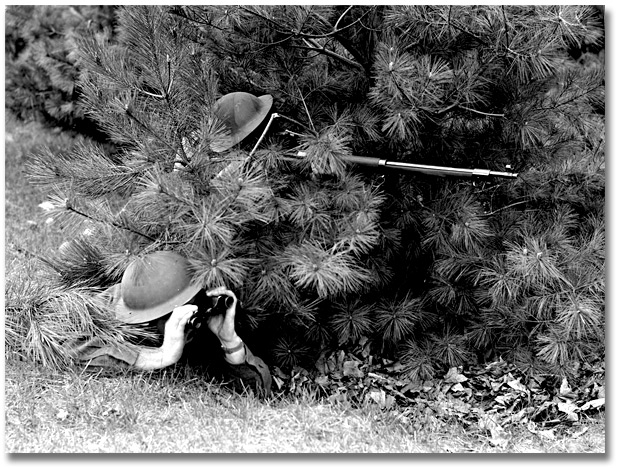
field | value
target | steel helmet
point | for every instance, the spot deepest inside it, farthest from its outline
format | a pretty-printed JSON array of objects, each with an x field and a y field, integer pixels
[
  {"x": 242, "y": 113},
  {"x": 151, "y": 287}
]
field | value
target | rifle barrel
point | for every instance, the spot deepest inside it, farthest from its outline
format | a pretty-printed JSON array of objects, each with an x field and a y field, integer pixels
[{"x": 440, "y": 171}]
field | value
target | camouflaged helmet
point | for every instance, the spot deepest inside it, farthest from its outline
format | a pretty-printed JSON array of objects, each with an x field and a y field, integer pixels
[
  {"x": 242, "y": 113},
  {"x": 151, "y": 287}
]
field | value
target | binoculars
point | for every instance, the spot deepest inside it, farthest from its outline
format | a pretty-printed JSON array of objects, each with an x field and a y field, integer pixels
[{"x": 217, "y": 305}]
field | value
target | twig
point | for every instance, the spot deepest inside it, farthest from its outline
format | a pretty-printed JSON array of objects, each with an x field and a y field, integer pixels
[
  {"x": 271, "y": 119},
  {"x": 299, "y": 123},
  {"x": 342, "y": 16},
  {"x": 305, "y": 107},
  {"x": 321, "y": 49},
  {"x": 157, "y": 96},
  {"x": 469, "y": 33},
  {"x": 311, "y": 38},
  {"x": 34, "y": 255},
  {"x": 170, "y": 76},
  {"x": 145, "y": 127},
  {"x": 481, "y": 113},
  {"x": 92, "y": 218},
  {"x": 335, "y": 31},
  {"x": 505, "y": 207},
  {"x": 506, "y": 28}
]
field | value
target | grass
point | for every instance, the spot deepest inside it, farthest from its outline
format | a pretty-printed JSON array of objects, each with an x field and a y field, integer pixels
[
  {"x": 26, "y": 227},
  {"x": 164, "y": 412},
  {"x": 160, "y": 413}
]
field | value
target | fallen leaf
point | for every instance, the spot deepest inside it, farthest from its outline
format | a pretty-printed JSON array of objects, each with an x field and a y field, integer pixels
[
  {"x": 337, "y": 398},
  {"x": 321, "y": 380},
  {"x": 279, "y": 373},
  {"x": 377, "y": 376},
  {"x": 457, "y": 387},
  {"x": 279, "y": 382},
  {"x": 593, "y": 404},
  {"x": 498, "y": 434},
  {"x": 454, "y": 376},
  {"x": 520, "y": 416},
  {"x": 547, "y": 434},
  {"x": 396, "y": 367},
  {"x": 565, "y": 389},
  {"x": 495, "y": 386},
  {"x": 351, "y": 369},
  {"x": 568, "y": 409},
  {"x": 381, "y": 398},
  {"x": 517, "y": 385},
  {"x": 504, "y": 399}
]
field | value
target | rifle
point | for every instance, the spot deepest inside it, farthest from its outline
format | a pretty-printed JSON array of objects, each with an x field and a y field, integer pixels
[{"x": 440, "y": 171}]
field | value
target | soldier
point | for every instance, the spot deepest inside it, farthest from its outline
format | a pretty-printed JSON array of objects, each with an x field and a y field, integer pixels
[{"x": 156, "y": 291}]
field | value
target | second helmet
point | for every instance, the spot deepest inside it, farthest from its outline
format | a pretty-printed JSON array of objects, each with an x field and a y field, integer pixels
[{"x": 242, "y": 113}]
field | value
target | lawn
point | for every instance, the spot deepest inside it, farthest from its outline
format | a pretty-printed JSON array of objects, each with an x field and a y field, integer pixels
[{"x": 75, "y": 412}]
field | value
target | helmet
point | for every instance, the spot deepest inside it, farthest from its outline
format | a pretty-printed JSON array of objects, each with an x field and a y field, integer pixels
[
  {"x": 242, "y": 113},
  {"x": 151, "y": 287}
]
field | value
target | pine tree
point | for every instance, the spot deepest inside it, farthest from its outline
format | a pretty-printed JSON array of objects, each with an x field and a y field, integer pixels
[{"x": 437, "y": 272}]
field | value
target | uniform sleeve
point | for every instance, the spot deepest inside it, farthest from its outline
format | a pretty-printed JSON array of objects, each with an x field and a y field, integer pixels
[
  {"x": 253, "y": 373},
  {"x": 95, "y": 353}
]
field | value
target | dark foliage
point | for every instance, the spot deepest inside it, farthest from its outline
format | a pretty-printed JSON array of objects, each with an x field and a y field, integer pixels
[{"x": 435, "y": 272}]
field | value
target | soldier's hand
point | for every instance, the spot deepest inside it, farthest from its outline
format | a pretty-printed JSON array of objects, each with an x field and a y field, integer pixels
[
  {"x": 223, "y": 325},
  {"x": 174, "y": 332}
]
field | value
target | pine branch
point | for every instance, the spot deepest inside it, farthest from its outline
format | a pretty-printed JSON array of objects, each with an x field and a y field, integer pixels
[
  {"x": 43, "y": 318},
  {"x": 350, "y": 322},
  {"x": 396, "y": 319},
  {"x": 309, "y": 266},
  {"x": 87, "y": 170},
  {"x": 222, "y": 268},
  {"x": 309, "y": 39},
  {"x": 59, "y": 207},
  {"x": 273, "y": 286}
]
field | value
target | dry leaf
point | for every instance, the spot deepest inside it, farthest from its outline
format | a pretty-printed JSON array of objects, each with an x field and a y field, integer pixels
[
  {"x": 381, "y": 398},
  {"x": 498, "y": 434},
  {"x": 565, "y": 389},
  {"x": 593, "y": 404},
  {"x": 517, "y": 385},
  {"x": 454, "y": 376},
  {"x": 321, "y": 380},
  {"x": 457, "y": 388},
  {"x": 568, "y": 408},
  {"x": 547, "y": 434},
  {"x": 351, "y": 369}
]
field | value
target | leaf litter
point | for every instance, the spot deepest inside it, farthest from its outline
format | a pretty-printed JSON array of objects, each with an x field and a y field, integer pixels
[{"x": 488, "y": 397}]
